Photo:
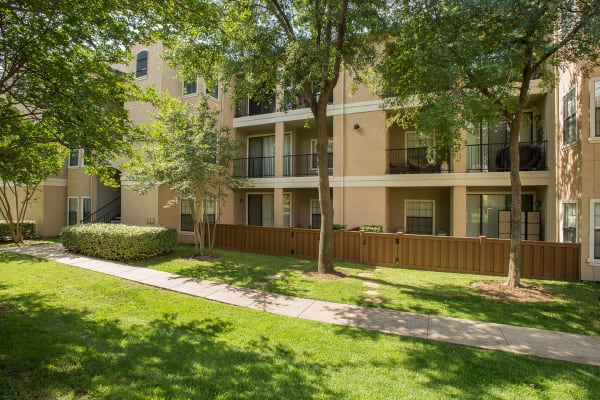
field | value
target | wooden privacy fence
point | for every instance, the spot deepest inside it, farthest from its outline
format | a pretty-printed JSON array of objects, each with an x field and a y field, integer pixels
[{"x": 543, "y": 260}]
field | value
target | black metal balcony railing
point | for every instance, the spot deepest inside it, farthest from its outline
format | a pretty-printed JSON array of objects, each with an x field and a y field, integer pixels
[
  {"x": 106, "y": 213},
  {"x": 304, "y": 165},
  {"x": 417, "y": 160},
  {"x": 245, "y": 107},
  {"x": 495, "y": 157},
  {"x": 301, "y": 102},
  {"x": 254, "y": 167}
]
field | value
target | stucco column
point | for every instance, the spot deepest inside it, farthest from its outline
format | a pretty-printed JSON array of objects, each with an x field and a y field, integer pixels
[
  {"x": 279, "y": 144},
  {"x": 459, "y": 211},
  {"x": 278, "y": 207}
]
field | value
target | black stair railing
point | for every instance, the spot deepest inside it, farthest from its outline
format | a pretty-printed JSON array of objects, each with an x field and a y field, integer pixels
[{"x": 105, "y": 213}]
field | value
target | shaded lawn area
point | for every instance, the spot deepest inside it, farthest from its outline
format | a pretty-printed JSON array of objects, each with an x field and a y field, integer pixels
[
  {"x": 74, "y": 334},
  {"x": 575, "y": 308}
]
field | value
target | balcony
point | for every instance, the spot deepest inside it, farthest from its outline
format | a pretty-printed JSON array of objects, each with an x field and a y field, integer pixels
[
  {"x": 304, "y": 165},
  {"x": 254, "y": 167},
  {"x": 245, "y": 107},
  {"x": 495, "y": 157},
  {"x": 417, "y": 160},
  {"x": 301, "y": 102}
]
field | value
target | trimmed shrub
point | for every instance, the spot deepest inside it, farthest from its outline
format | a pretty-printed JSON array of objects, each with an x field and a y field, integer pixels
[
  {"x": 372, "y": 228},
  {"x": 339, "y": 227},
  {"x": 118, "y": 242},
  {"x": 28, "y": 229}
]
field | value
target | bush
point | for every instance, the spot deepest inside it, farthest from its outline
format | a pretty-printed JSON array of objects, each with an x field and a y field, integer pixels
[
  {"x": 339, "y": 227},
  {"x": 118, "y": 242},
  {"x": 27, "y": 228},
  {"x": 372, "y": 228}
]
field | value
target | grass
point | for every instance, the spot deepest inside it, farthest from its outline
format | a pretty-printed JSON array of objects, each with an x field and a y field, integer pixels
[
  {"x": 69, "y": 333},
  {"x": 575, "y": 309}
]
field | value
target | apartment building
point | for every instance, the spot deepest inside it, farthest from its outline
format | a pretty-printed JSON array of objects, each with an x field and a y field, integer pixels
[{"x": 391, "y": 177}]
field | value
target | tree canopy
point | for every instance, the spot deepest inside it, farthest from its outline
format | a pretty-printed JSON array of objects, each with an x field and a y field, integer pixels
[
  {"x": 292, "y": 48},
  {"x": 458, "y": 62}
]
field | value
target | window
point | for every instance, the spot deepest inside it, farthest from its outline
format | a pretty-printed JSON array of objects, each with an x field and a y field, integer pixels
[
  {"x": 483, "y": 213},
  {"x": 261, "y": 210},
  {"x": 84, "y": 154},
  {"x": 210, "y": 210},
  {"x": 419, "y": 216},
  {"x": 74, "y": 158},
  {"x": 86, "y": 209},
  {"x": 315, "y": 214},
  {"x": 190, "y": 87},
  {"x": 595, "y": 111},
  {"x": 569, "y": 118},
  {"x": 73, "y": 210},
  {"x": 569, "y": 223},
  {"x": 186, "y": 223},
  {"x": 213, "y": 91},
  {"x": 595, "y": 229},
  {"x": 313, "y": 147},
  {"x": 287, "y": 210},
  {"x": 141, "y": 65}
]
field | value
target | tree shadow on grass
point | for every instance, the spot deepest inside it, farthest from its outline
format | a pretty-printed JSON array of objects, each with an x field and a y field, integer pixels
[{"x": 50, "y": 352}]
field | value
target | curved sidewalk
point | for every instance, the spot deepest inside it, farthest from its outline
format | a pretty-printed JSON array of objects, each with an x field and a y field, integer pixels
[{"x": 535, "y": 342}]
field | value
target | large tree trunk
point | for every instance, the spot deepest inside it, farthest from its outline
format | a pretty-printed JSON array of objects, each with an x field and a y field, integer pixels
[
  {"x": 325, "y": 263},
  {"x": 514, "y": 262}
]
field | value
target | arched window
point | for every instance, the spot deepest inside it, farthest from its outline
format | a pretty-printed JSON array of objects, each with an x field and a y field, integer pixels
[{"x": 141, "y": 68}]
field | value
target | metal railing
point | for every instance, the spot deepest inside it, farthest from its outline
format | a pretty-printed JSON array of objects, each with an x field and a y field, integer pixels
[
  {"x": 495, "y": 157},
  {"x": 417, "y": 160},
  {"x": 254, "y": 167},
  {"x": 304, "y": 165},
  {"x": 245, "y": 107},
  {"x": 106, "y": 213}
]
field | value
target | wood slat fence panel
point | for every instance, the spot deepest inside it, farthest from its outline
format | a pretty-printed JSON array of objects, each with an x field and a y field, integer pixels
[{"x": 543, "y": 260}]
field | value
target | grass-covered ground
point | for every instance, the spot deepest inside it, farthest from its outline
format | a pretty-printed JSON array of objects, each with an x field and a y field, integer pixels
[
  {"x": 575, "y": 307},
  {"x": 67, "y": 333}
]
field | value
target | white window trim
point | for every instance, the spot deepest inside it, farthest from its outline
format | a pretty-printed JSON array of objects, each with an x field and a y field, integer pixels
[
  {"x": 77, "y": 201},
  {"x": 141, "y": 77},
  {"x": 291, "y": 208},
  {"x": 78, "y": 160},
  {"x": 81, "y": 206},
  {"x": 187, "y": 95},
  {"x": 210, "y": 96},
  {"x": 591, "y": 260},
  {"x": 180, "y": 231},
  {"x": 562, "y": 219},
  {"x": 592, "y": 137},
  {"x": 562, "y": 120},
  {"x": 310, "y": 214},
  {"x": 406, "y": 202}
]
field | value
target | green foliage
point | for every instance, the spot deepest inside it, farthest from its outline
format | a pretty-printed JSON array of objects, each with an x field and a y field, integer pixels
[
  {"x": 372, "y": 228},
  {"x": 339, "y": 227},
  {"x": 118, "y": 242},
  {"x": 27, "y": 229}
]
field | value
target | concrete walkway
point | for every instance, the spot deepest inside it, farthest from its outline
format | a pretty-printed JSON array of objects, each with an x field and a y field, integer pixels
[{"x": 535, "y": 342}]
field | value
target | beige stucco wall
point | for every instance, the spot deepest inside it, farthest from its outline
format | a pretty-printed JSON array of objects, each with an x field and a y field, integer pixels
[
  {"x": 137, "y": 209},
  {"x": 55, "y": 211},
  {"x": 361, "y": 206},
  {"x": 363, "y": 149}
]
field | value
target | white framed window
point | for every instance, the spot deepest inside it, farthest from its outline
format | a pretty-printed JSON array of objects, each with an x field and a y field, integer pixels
[
  {"x": 315, "y": 214},
  {"x": 210, "y": 211},
  {"x": 287, "y": 210},
  {"x": 189, "y": 88},
  {"x": 73, "y": 158},
  {"x": 84, "y": 154},
  {"x": 569, "y": 222},
  {"x": 420, "y": 217},
  {"x": 213, "y": 91},
  {"x": 313, "y": 150},
  {"x": 86, "y": 208},
  {"x": 141, "y": 64},
  {"x": 595, "y": 108},
  {"x": 594, "y": 253},
  {"x": 72, "y": 210},
  {"x": 569, "y": 117},
  {"x": 186, "y": 222}
]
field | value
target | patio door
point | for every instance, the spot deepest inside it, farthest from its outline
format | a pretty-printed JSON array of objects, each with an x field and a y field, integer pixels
[{"x": 261, "y": 154}]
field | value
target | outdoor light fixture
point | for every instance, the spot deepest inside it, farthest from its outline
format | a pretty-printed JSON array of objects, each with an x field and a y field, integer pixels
[{"x": 356, "y": 126}]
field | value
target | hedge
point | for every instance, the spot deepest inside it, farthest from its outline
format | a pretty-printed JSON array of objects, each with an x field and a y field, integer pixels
[
  {"x": 372, "y": 228},
  {"x": 118, "y": 242},
  {"x": 27, "y": 229}
]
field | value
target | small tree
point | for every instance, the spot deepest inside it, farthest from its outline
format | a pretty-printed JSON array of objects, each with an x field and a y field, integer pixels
[
  {"x": 457, "y": 62},
  {"x": 186, "y": 152},
  {"x": 21, "y": 173}
]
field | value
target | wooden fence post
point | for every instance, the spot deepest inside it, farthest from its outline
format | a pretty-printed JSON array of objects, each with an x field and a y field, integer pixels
[
  {"x": 362, "y": 246},
  {"x": 398, "y": 248},
  {"x": 482, "y": 254}
]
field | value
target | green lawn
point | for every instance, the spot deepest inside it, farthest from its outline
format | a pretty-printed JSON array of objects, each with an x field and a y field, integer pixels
[
  {"x": 576, "y": 308},
  {"x": 67, "y": 333}
]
